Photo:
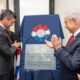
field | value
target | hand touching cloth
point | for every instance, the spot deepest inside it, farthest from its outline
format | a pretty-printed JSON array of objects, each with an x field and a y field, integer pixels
[{"x": 16, "y": 44}]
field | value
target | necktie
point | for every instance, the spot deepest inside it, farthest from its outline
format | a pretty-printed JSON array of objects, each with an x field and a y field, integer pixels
[{"x": 70, "y": 40}]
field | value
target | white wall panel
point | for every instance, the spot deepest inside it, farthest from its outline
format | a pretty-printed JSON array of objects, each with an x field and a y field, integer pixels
[
  {"x": 2, "y": 5},
  {"x": 33, "y": 7}
]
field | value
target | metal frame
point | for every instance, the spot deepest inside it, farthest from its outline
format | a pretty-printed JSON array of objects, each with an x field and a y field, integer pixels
[
  {"x": 7, "y": 4},
  {"x": 17, "y": 12},
  {"x": 51, "y": 6}
]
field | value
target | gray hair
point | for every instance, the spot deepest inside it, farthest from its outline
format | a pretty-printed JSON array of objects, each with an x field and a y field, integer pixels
[
  {"x": 73, "y": 14},
  {"x": 7, "y": 13}
]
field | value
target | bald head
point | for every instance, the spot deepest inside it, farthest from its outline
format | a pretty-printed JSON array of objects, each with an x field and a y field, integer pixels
[{"x": 73, "y": 14}]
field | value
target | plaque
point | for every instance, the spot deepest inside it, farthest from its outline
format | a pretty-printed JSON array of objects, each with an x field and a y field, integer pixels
[{"x": 39, "y": 57}]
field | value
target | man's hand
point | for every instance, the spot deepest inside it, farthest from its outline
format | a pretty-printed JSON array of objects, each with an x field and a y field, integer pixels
[
  {"x": 56, "y": 41},
  {"x": 49, "y": 43},
  {"x": 16, "y": 44},
  {"x": 78, "y": 76}
]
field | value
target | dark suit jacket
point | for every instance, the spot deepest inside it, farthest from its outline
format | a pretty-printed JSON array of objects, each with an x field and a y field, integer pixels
[
  {"x": 6, "y": 52},
  {"x": 70, "y": 58}
]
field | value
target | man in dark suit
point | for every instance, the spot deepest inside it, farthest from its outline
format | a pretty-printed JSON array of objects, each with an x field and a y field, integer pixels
[
  {"x": 69, "y": 55},
  {"x": 13, "y": 37},
  {"x": 7, "y": 49}
]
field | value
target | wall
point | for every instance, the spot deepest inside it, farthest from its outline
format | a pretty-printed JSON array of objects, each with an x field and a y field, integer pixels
[
  {"x": 33, "y": 7},
  {"x": 2, "y": 5},
  {"x": 61, "y": 7}
]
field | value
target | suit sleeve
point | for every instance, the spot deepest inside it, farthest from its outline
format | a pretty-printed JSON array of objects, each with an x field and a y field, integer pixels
[
  {"x": 71, "y": 61},
  {"x": 6, "y": 49}
]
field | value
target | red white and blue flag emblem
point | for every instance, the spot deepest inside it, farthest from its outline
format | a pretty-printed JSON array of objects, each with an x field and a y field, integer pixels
[
  {"x": 17, "y": 71},
  {"x": 40, "y": 33}
]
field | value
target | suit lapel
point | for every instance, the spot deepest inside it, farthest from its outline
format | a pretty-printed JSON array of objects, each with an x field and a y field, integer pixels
[
  {"x": 5, "y": 33},
  {"x": 73, "y": 42},
  {"x": 75, "y": 38},
  {"x": 10, "y": 42}
]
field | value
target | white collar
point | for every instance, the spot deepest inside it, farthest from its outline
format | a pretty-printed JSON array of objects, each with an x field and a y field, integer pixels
[
  {"x": 2, "y": 25},
  {"x": 76, "y": 32}
]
